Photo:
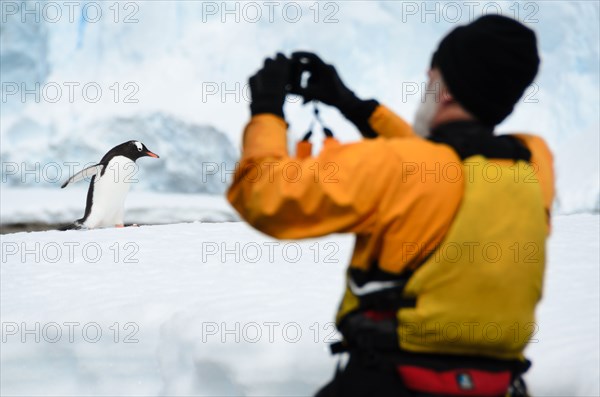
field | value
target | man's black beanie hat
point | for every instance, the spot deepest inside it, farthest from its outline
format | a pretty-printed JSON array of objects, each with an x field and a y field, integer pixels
[{"x": 487, "y": 65}]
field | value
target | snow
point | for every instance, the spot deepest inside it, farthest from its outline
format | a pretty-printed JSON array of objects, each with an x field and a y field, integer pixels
[
  {"x": 57, "y": 206},
  {"x": 177, "y": 287},
  {"x": 569, "y": 316},
  {"x": 220, "y": 309},
  {"x": 184, "y": 64}
]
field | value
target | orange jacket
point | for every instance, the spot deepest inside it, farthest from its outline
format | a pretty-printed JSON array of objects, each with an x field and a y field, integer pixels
[{"x": 398, "y": 193}]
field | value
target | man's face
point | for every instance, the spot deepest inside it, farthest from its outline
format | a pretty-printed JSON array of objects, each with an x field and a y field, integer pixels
[{"x": 429, "y": 106}]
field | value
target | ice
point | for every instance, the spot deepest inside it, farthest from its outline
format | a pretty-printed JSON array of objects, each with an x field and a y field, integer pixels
[
  {"x": 193, "y": 158},
  {"x": 23, "y": 53},
  {"x": 176, "y": 53}
]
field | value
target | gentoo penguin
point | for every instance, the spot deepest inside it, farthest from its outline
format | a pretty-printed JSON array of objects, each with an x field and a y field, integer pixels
[{"x": 111, "y": 179}]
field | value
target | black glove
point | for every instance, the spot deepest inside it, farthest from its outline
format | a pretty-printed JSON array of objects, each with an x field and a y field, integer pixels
[
  {"x": 325, "y": 85},
  {"x": 267, "y": 86}
]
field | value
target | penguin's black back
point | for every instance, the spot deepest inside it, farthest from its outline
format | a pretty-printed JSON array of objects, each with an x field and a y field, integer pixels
[{"x": 90, "y": 198}]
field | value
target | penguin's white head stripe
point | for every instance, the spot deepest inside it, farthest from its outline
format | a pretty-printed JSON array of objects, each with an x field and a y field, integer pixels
[{"x": 138, "y": 145}]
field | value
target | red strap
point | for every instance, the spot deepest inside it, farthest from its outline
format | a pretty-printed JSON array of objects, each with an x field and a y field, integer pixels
[
  {"x": 379, "y": 316},
  {"x": 456, "y": 382}
]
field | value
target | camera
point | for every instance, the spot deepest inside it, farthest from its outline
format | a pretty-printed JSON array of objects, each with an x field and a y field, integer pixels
[{"x": 299, "y": 73}]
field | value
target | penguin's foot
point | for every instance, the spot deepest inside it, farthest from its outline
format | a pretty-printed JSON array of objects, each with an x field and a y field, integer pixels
[{"x": 121, "y": 225}]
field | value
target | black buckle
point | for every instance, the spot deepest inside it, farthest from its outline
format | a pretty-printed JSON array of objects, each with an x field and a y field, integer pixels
[{"x": 338, "y": 347}]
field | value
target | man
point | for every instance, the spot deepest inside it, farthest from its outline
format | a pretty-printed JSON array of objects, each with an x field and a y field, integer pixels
[{"x": 450, "y": 223}]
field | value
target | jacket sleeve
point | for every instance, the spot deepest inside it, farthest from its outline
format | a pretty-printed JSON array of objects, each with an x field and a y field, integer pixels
[
  {"x": 337, "y": 191},
  {"x": 388, "y": 124}
]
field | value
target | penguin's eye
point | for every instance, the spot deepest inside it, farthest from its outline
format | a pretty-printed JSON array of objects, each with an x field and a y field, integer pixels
[{"x": 139, "y": 149}]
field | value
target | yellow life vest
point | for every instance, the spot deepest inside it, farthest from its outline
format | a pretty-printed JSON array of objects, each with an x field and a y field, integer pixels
[{"x": 476, "y": 293}]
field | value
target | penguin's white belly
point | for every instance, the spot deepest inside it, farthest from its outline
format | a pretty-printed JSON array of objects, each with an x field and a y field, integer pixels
[{"x": 110, "y": 191}]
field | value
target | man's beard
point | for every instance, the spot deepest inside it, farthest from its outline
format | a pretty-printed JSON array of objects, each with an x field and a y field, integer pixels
[{"x": 425, "y": 113}]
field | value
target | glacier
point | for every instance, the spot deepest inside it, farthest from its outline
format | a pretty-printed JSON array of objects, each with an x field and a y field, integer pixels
[
  {"x": 173, "y": 74},
  {"x": 193, "y": 158}
]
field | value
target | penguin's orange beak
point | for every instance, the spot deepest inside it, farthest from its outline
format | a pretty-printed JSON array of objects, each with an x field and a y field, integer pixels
[{"x": 149, "y": 153}]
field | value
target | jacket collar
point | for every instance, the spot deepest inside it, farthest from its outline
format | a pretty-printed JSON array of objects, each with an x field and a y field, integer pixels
[
  {"x": 469, "y": 138},
  {"x": 464, "y": 128}
]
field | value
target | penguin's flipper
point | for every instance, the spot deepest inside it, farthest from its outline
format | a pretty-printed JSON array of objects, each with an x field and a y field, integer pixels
[{"x": 85, "y": 173}]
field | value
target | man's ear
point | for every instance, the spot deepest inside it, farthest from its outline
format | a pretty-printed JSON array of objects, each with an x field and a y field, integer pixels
[{"x": 446, "y": 97}]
